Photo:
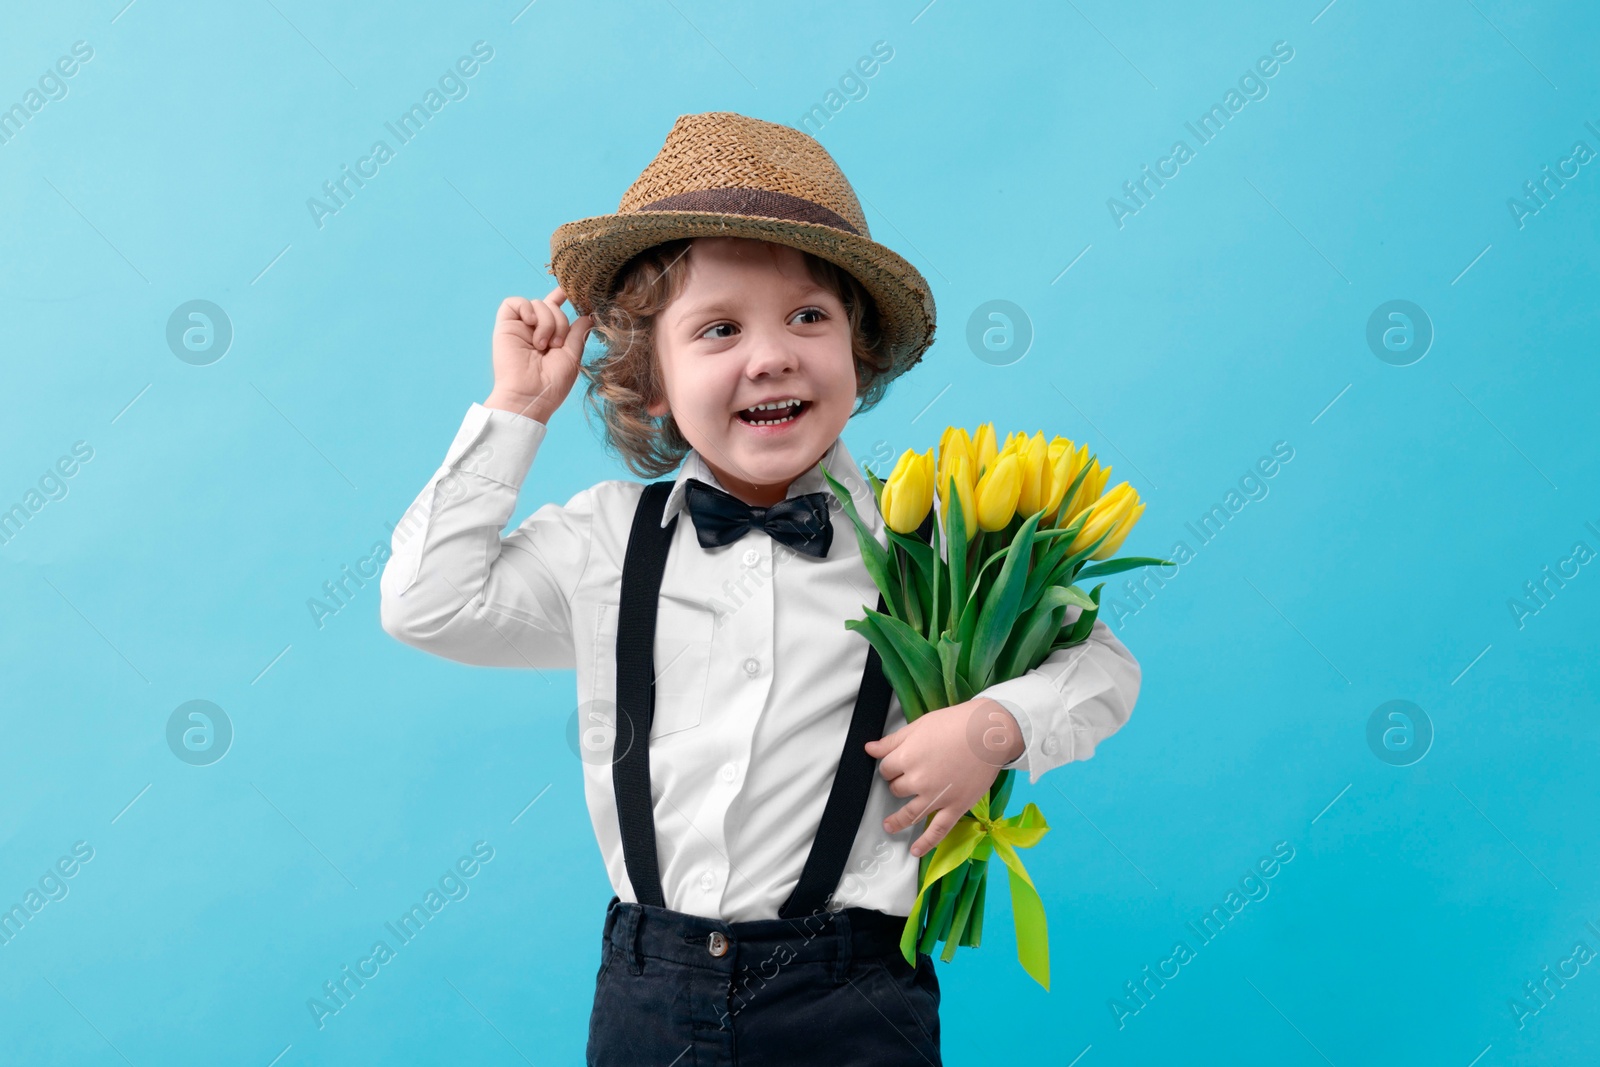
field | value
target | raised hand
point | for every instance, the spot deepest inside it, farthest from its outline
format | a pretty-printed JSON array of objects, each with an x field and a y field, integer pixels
[{"x": 536, "y": 353}]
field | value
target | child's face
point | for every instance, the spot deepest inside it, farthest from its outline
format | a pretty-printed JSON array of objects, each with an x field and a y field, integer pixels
[{"x": 749, "y": 327}]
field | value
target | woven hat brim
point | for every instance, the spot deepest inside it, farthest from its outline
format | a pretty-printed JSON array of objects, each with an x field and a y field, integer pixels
[{"x": 585, "y": 256}]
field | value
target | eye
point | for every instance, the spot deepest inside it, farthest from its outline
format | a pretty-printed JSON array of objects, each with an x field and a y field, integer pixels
[
  {"x": 818, "y": 312},
  {"x": 718, "y": 326}
]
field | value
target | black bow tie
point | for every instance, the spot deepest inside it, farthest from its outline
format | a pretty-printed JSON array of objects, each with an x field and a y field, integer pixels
[{"x": 720, "y": 518}]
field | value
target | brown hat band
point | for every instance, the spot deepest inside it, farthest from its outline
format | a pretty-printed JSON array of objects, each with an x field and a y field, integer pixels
[{"x": 757, "y": 203}]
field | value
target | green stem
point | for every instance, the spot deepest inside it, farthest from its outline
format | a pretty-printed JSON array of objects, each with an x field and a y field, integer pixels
[
  {"x": 975, "y": 925},
  {"x": 949, "y": 889},
  {"x": 1000, "y": 792},
  {"x": 969, "y": 891},
  {"x": 928, "y": 899}
]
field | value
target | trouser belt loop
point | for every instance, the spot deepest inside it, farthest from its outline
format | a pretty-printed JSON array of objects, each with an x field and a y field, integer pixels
[
  {"x": 630, "y": 938},
  {"x": 841, "y": 931}
]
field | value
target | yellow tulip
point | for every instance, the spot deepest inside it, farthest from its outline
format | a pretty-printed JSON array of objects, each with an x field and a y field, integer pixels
[
  {"x": 983, "y": 448},
  {"x": 1033, "y": 454},
  {"x": 908, "y": 494},
  {"x": 952, "y": 443},
  {"x": 1114, "y": 542},
  {"x": 960, "y": 472},
  {"x": 1089, "y": 491},
  {"x": 1064, "y": 465},
  {"x": 997, "y": 492},
  {"x": 1104, "y": 515}
]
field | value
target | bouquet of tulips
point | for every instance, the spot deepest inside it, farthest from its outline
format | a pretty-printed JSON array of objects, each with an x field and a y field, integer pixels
[{"x": 977, "y": 598}]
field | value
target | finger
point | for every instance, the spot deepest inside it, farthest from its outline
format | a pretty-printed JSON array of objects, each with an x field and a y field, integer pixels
[
  {"x": 578, "y": 335},
  {"x": 901, "y": 786},
  {"x": 528, "y": 315},
  {"x": 935, "y": 833},
  {"x": 545, "y": 330},
  {"x": 511, "y": 309},
  {"x": 553, "y": 301},
  {"x": 515, "y": 328},
  {"x": 887, "y": 743},
  {"x": 903, "y": 818}
]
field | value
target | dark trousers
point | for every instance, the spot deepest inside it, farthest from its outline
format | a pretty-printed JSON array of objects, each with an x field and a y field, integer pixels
[{"x": 680, "y": 990}]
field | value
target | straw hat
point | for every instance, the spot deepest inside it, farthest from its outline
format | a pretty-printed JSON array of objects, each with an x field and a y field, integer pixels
[{"x": 721, "y": 174}]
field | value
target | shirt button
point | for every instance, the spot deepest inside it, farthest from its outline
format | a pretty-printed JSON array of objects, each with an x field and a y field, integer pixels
[
  {"x": 707, "y": 880},
  {"x": 752, "y": 665},
  {"x": 1050, "y": 745},
  {"x": 750, "y": 557},
  {"x": 729, "y": 772},
  {"x": 717, "y": 943}
]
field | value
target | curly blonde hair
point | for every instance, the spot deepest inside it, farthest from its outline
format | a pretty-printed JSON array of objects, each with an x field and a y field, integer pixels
[{"x": 627, "y": 376}]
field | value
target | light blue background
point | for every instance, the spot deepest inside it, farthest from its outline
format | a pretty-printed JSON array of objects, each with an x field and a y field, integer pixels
[{"x": 1228, "y": 314}]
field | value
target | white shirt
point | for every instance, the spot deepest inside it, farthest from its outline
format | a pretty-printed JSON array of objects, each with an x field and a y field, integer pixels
[{"x": 757, "y": 674}]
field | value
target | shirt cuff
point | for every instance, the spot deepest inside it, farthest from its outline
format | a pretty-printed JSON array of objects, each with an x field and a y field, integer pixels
[
  {"x": 495, "y": 444},
  {"x": 1038, "y": 706}
]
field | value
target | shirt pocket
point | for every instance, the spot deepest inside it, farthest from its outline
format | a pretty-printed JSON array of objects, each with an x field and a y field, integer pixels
[{"x": 683, "y": 639}]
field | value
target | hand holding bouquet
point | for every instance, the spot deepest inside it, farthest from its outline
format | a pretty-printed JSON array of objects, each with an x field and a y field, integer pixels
[{"x": 979, "y": 597}]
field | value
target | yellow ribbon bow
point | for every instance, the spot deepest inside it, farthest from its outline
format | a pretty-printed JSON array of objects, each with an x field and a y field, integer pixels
[{"x": 973, "y": 837}]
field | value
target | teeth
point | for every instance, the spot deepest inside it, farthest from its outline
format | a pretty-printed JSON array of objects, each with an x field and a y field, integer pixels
[
  {"x": 752, "y": 414},
  {"x": 775, "y": 404}
]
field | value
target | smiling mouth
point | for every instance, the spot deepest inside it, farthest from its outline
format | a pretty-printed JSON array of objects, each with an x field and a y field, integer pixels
[{"x": 766, "y": 416}]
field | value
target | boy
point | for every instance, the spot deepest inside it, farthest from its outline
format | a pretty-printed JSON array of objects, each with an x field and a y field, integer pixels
[{"x": 760, "y": 868}]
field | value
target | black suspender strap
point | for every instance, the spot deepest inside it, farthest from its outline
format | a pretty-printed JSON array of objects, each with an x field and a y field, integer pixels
[
  {"x": 642, "y": 569},
  {"x": 847, "y": 800}
]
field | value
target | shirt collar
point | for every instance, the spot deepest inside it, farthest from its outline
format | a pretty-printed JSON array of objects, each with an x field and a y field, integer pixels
[{"x": 841, "y": 465}]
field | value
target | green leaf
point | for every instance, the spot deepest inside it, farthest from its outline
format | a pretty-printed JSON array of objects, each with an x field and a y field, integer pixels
[
  {"x": 894, "y": 668},
  {"x": 874, "y": 555},
  {"x": 1036, "y": 623},
  {"x": 1085, "y": 622},
  {"x": 1117, "y": 566},
  {"x": 921, "y": 552},
  {"x": 924, "y": 592},
  {"x": 1060, "y": 541},
  {"x": 875, "y": 481},
  {"x": 920, "y": 657},
  {"x": 1038, "y": 629},
  {"x": 955, "y": 531},
  {"x": 916, "y": 580},
  {"x": 957, "y": 691},
  {"x": 1063, "y": 574},
  {"x": 1000, "y": 607},
  {"x": 965, "y": 629}
]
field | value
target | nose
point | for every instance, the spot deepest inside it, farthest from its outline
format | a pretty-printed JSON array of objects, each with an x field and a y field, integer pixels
[{"x": 769, "y": 353}]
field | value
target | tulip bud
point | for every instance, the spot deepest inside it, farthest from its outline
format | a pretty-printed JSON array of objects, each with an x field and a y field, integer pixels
[
  {"x": 997, "y": 492},
  {"x": 1033, "y": 454},
  {"x": 908, "y": 493},
  {"x": 983, "y": 449},
  {"x": 1089, "y": 491},
  {"x": 1105, "y": 514},
  {"x": 1064, "y": 466},
  {"x": 952, "y": 443},
  {"x": 1120, "y": 534},
  {"x": 960, "y": 473}
]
